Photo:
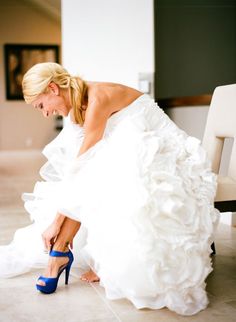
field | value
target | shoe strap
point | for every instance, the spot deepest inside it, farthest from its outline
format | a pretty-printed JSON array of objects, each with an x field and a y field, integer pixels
[{"x": 55, "y": 253}]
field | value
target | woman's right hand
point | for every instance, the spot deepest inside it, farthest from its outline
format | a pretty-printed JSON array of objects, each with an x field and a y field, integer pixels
[{"x": 49, "y": 235}]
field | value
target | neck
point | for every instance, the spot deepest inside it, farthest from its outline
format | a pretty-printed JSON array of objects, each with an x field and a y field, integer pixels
[{"x": 66, "y": 96}]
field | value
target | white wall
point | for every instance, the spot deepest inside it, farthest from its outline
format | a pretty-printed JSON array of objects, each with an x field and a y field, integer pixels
[
  {"x": 22, "y": 127},
  {"x": 108, "y": 40},
  {"x": 191, "y": 119}
]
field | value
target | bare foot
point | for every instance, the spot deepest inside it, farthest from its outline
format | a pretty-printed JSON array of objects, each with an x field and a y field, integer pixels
[
  {"x": 90, "y": 277},
  {"x": 54, "y": 264}
]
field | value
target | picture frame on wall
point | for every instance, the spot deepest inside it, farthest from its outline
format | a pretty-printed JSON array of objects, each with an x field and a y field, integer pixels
[{"x": 19, "y": 58}]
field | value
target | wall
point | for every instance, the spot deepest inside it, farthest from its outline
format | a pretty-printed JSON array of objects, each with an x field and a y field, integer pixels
[
  {"x": 191, "y": 119},
  {"x": 195, "y": 46},
  {"x": 195, "y": 43},
  {"x": 21, "y": 127},
  {"x": 108, "y": 40}
]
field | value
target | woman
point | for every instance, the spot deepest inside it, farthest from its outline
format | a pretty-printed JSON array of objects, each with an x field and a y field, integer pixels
[{"x": 140, "y": 187}]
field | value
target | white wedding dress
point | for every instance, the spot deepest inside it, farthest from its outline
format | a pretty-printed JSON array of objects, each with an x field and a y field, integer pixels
[{"x": 144, "y": 195}]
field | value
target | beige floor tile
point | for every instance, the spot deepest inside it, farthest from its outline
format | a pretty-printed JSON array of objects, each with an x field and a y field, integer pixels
[{"x": 20, "y": 301}]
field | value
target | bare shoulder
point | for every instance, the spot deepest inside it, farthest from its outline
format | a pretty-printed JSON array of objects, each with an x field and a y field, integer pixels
[
  {"x": 97, "y": 96},
  {"x": 98, "y": 109},
  {"x": 109, "y": 98}
]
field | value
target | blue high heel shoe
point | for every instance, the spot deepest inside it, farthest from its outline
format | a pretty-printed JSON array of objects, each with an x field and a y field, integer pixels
[{"x": 51, "y": 282}]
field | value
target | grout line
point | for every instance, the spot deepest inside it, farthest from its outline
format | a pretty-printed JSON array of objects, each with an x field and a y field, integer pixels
[{"x": 106, "y": 303}]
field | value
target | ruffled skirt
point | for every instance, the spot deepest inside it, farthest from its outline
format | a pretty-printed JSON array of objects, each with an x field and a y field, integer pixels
[{"x": 144, "y": 195}]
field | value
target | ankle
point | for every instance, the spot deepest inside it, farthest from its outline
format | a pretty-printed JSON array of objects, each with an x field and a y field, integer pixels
[{"x": 61, "y": 247}]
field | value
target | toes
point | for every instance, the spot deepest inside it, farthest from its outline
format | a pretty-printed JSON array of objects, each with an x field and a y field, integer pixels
[
  {"x": 89, "y": 278},
  {"x": 84, "y": 278},
  {"x": 96, "y": 279},
  {"x": 40, "y": 282}
]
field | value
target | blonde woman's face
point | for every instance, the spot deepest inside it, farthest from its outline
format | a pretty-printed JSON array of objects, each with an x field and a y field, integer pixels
[{"x": 52, "y": 103}]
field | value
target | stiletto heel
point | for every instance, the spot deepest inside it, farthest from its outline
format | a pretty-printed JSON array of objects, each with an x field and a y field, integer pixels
[
  {"x": 67, "y": 274},
  {"x": 51, "y": 282}
]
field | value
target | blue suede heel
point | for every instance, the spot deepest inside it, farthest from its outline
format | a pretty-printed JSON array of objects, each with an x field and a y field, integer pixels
[{"x": 51, "y": 282}]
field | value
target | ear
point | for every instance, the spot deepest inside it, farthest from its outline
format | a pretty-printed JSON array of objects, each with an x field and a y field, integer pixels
[{"x": 54, "y": 88}]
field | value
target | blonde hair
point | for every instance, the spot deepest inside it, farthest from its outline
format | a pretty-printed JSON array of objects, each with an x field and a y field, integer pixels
[{"x": 38, "y": 77}]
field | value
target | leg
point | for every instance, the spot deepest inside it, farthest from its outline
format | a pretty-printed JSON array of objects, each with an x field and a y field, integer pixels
[{"x": 68, "y": 231}]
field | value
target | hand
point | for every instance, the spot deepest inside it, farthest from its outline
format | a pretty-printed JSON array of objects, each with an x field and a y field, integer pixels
[{"x": 49, "y": 236}]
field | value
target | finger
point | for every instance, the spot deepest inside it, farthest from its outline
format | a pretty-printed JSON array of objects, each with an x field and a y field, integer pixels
[
  {"x": 44, "y": 242},
  {"x": 48, "y": 244}
]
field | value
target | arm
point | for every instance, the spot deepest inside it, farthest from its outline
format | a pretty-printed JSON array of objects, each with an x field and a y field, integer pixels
[{"x": 95, "y": 122}]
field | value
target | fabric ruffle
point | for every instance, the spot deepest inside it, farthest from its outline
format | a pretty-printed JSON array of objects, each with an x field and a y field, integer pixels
[{"x": 144, "y": 195}]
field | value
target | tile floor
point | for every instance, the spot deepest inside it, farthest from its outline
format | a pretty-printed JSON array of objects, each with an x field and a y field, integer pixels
[{"x": 80, "y": 302}]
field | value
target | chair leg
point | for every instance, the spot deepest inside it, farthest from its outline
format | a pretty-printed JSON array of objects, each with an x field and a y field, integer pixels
[{"x": 213, "y": 249}]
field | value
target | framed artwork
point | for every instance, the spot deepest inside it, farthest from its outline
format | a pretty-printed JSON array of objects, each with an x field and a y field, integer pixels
[{"x": 19, "y": 58}]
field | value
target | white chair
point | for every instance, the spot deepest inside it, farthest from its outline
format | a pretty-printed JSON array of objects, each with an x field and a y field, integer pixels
[{"x": 221, "y": 124}]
